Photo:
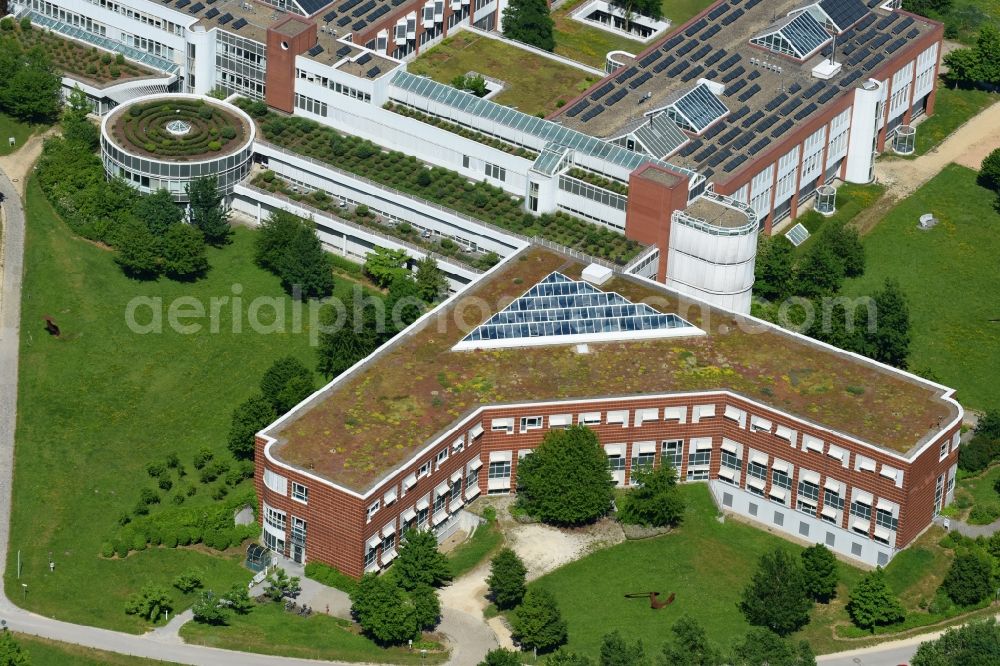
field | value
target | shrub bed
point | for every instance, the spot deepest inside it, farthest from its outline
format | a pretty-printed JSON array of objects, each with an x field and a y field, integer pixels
[
  {"x": 74, "y": 58},
  {"x": 599, "y": 181},
  {"x": 447, "y": 188},
  {"x": 144, "y": 128}
]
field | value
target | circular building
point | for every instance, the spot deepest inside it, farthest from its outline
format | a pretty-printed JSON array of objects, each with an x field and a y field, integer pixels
[{"x": 166, "y": 141}]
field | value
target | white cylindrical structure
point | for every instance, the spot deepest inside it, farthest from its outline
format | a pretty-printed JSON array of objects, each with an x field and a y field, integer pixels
[
  {"x": 714, "y": 261},
  {"x": 165, "y": 141},
  {"x": 904, "y": 141},
  {"x": 201, "y": 80},
  {"x": 826, "y": 200},
  {"x": 864, "y": 132},
  {"x": 616, "y": 59}
]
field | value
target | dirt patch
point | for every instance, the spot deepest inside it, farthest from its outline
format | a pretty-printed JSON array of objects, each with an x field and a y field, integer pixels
[
  {"x": 544, "y": 548},
  {"x": 19, "y": 164}
]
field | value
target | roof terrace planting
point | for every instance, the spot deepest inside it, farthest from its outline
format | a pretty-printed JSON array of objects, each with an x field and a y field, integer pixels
[
  {"x": 177, "y": 129},
  {"x": 412, "y": 390}
]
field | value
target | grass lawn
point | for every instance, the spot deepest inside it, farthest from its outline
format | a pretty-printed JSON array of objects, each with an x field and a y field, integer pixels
[
  {"x": 45, "y": 652},
  {"x": 99, "y": 403},
  {"x": 534, "y": 84},
  {"x": 269, "y": 629},
  {"x": 482, "y": 544},
  {"x": 590, "y": 591},
  {"x": 11, "y": 127},
  {"x": 953, "y": 109},
  {"x": 851, "y": 200},
  {"x": 590, "y": 45},
  {"x": 947, "y": 274}
]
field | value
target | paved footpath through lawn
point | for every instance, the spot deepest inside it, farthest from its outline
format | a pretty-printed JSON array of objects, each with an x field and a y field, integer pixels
[{"x": 469, "y": 635}]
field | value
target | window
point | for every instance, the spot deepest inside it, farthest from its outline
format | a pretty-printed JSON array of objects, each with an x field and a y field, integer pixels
[
  {"x": 803, "y": 528},
  {"x": 275, "y": 482},
  {"x": 731, "y": 460},
  {"x": 781, "y": 479},
  {"x": 465, "y": 161},
  {"x": 944, "y": 451},
  {"x": 727, "y": 499},
  {"x": 274, "y": 543},
  {"x": 809, "y": 490},
  {"x": 311, "y": 105},
  {"x": 424, "y": 470},
  {"x": 422, "y": 516},
  {"x": 697, "y": 475},
  {"x": 388, "y": 544},
  {"x": 530, "y": 423},
  {"x": 300, "y": 492},
  {"x": 643, "y": 461},
  {"x": 753, "y": 509},
  {"x": 499, "y": 469},
  {"x": 502, "y": 425},
  {"x": 885, "y": 519},
  {"x": 373, "y": 509},
  {"x": 590, "y": 418},
  {"x": 616, "y": 463},
  {"x": 441, "y": 457},
  {"x": 370, "y": 556},
  {"x": 673, "y": 453},
  {"x": 861, "y": 510},
  {"x": 472, "y": 478},
  {"x": 298, "y": 531},
  {"x": 456, "y": 491},
  {"x": 756, "y": 470},
  {"x": 496, "y": 172},
  {"x": 274, "y": 518},
  {"x": 439, "y": 503},
  {"x": 779, "y": 518},
  {"x": 833, "y": 500}
]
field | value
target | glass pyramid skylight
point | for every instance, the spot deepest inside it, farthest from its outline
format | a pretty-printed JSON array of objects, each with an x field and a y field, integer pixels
[{"x": 559, "y": 310}]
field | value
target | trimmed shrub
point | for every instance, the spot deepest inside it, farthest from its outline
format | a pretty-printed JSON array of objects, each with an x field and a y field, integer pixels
[
  {"x": 107, "y": 550},
  {"x": 165, "y": 483},
  {"x": 121, "y": 549},
  {"x": 214, "y": 145}
]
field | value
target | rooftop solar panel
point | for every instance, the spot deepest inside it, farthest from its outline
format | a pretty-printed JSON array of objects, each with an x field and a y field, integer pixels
[
  {"x": 913, "y": 33},
  {"x": 627, "y": 74},
  {"x": 791, "y": 106},
  {"x": 195, "y": 8},
  {"x": 695, "y": 27},
  {"x": 690, "y": 44},
  {"x": 329, "y": 16},
  {"x": 736, "y": 115},
  {"x": 559, "y": 307},
  {"x": 902, "y": 25},
  {"x": 710, "y": 32},
  {"x": 577, "y": 108},
  {"x": 672, "y": 42},
  {"x": 182, "y": 3},
  {"x": 844, "y": 12},
  {"x": 729, "y": 62},
  {"x": 782, "y": 128},
  {"x": 358, "y": 25},
  {"x": 343, "y": 20},
  {"x": 776, "y": 102},
  {"x": 212, "y": 13},
  {"x": 894, "y": 46},
  {"x": 729, "y": 18},
  {"x": 650, "y": 58},
  {"x": 794, "y": 88},
  {"x": 639, "y": 80},
  {"x": 691, "y": 147},
  {"x": 805, "y": 111},
  {"x": 759, "y": 146},
  {"x": 718, "y": 11},
  {"x": 827, "y": 96},
  {"x": 715, "y": 130},
  {"x": 875, "y": 60},
  {"x": 225, "y": 18},
  {"x": 616, "y": 97},
  {"x": 663, "y": 64},
  {"x": 373, "y": 72},
  {"x": 735, "y": 162},
  {"x": 866, "y": 21},
  {"x": 365, "y": 57},
  {"x": 736, "y": 87},
  {"x": 703, "y": 155},
  {"x": 749, "y": 92},
  {"x": 766, "y": 124},
  {"x": 886, "y": 21},
  {"x": 755, "y": 74},
  {"x": 593, "y": 113},
  {"x": 692, "y": 73},
  {"x": 715, "y": 57},
  {"x": 702, "y": 52},
  {"x": 678, "y": 68},
  {"x": 734, "y": 74},
  {"x": 343, "y": 50},
  {"x": 239, "y": 24},
  {"x": 602, "y": 91},
  {"x": 879, "y": 41},
  {"x": 754, "y": 117},
  {"x": 730, "y": 135}
]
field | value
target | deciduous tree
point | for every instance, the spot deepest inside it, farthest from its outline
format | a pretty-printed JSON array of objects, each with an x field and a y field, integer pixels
[
  {"x": 249, "y": 418},
  {"x": 381, "y": 608},
  {"x": 537, "y": 623},
  {"x": 507, "y": 579},
  {"x": 774, "y": 269},
  {"x": 183, "y": 250},
  {"x": 819, "y": 566},
  {"x": 280, "y": 586},
  {"x": 158, "y": 211},
  {"x": 426, "y": 607},
  {"x": 210, "y": 609},
  {"x": 348, "y": 335},
  {"x": 286, "y": 372},
  {"x": 776, "y": 595},
  {"x": 502, "y": 657},
  {"x": 529, "y": 21},
  {"x": 616, "y": 651},
  {"x": 383, "y": 264},
  {"x": 138, "y": 251},
  {"x": 76, "y": 123},
  {"x": 820, "y": 273},
  {"x": 11, "y": 653},
  {"x": 846, "y": 244},
  {"x": 763, "y": 647},
  {"x": 32, "y": 92},
  {"x": 304, "y": 267},
  {"x": 150, "y": 602},
  {"x": 420, "y": 562},
  {"x": 989, "y": 171},
  {"x": 566, "y": 480},
  {"x": 872, "y": 603},
  {"x": 974, "y": 644},
  {"x": 655, "y": 501},
  {"x": 689, "y": 646},
  {"x": 970, "y": 578}
]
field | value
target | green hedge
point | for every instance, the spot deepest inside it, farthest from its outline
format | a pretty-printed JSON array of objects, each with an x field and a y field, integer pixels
[{"x": 330, "y": 576}]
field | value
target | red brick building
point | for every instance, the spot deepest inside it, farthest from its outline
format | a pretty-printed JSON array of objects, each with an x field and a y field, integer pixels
[{"x": 818, "y": 443}]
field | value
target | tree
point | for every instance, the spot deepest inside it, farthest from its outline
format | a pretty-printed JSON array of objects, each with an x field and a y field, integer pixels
[
  {"x": 529, "y": 21},
  {"x": 838, "y": 322},
  {"x": 774, "y": 270},
  {"x": 820, "y": 272},
  {"x": 426, "y": 607},
  {"x": 150, "y": 602},
  {"x": 431, "y": 283},
  {"x": 963, "y": 67},
  {"x": 776, "y": 595},
  {"x": 970, "y": 578},
  {"x": 158, "y": 211},
  {"x": 763, "y": 647},
  {"x": 420, "y": 562},
  {"x": 188, "y": 581},
  {"x": 183, "y": 249},
  {"x": 872, "y": 603},
  {"x": 566, "y": 480},
  {"x": 207, "y": 210},
  {"x": 279, "y": 586},
  {"x": 501, "y": 657},
  {"x": 819, "y": 567},
  {"x": 846, "y": 244},
  {"x": 974, "y": 644},
  {"x": 138, "y": 251},
  {"x": 537, "y": 623},
  {"x": 76, "y": 123},
  {"x": 616, "y": 651},
  {"x": 650, "y": 8},
  {"x": 655, "y": 501},
  {"x": 286, "y": 371},
  {"x": 350, "y": 340},
  {"x": 929, "y": 8},
  {"x": 689, "y": 646},
  {"x": 238, "y": 599},
  {"x": 988, "y": 50},
  {"x": 274, "y": 237},
  {"x": 304, "y": 265},
  {"x": 383, "y": 264},
  {"x": 890, "y": 341},
  {"x": 252, "y": 416},
  {"x": 403, "y": 302},
  {"x": 473, "y": 83},
  {"x": 506, "y": 581},
  {"x": 988, "y": 425},
  {"x": 210, "y": 609},
  {"x": 989, "y": 171},
  {"x": 11, "y": 653},
  {"x": 380, "y": 607},
  {"x": 33, "y": 90}
]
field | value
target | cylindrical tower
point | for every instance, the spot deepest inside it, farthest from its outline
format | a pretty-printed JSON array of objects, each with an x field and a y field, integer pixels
[{"x": 864, "y": 132}]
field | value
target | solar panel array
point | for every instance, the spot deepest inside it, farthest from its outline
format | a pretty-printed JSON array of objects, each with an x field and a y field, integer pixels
[
  {"x": 844, "y": 13},
  {"x": 558, "y": 306},
  {"x": 797, "y": 235}
]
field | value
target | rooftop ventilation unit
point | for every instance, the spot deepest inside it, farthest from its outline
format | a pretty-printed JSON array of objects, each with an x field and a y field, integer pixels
[{"x": 826, "y": 70}]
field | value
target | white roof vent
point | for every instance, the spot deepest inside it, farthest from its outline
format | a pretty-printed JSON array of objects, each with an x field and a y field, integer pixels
[
  {"x": 596, "y": 274},
  {"x": 826, "y": 70}
]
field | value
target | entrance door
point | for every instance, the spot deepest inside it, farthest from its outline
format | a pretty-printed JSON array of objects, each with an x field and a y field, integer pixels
[{"x": 298, "y": 553}]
